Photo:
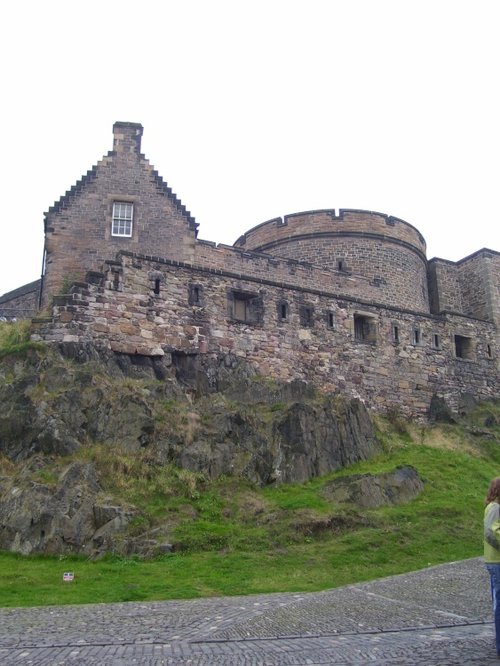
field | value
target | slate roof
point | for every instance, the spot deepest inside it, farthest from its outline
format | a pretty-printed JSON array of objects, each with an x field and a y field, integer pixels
[{"x": 20, "y": 291}]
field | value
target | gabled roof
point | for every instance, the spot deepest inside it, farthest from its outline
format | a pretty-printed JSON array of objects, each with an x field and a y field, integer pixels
[
  {"x": 91, "y": 175},
  {"x": 163, "y": 186},
  {"x": 71, "y": 193},
  {"x": 20, "y": 291}
]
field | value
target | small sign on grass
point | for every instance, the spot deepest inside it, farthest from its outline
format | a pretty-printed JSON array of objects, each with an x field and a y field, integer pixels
[{"x": 68, "y": 576}]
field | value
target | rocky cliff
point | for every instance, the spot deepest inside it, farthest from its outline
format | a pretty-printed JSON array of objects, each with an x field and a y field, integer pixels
[{"x": 210, "y": 416}]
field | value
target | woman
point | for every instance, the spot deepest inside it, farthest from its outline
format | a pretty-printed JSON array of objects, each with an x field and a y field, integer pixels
[{"x": 492, "y": 550}]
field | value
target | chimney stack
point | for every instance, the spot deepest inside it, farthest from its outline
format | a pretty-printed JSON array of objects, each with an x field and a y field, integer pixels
[{"x": 127, "y": 137}]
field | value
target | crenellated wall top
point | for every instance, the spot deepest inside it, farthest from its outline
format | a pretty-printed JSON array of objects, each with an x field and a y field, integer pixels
[{"x": 349, "y": 222}]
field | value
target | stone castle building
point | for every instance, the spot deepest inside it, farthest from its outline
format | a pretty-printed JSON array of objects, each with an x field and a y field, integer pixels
[{"x": 346, "y": 301}]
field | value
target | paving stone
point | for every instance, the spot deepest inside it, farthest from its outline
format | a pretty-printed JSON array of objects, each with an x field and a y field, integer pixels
[{"x": 440, "y": 615}]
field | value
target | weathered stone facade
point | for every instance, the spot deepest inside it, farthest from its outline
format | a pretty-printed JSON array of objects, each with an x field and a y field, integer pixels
[
  {"x": 346, "y": 301},
  {"x": 194, "y": 313},
  {"x": 388, "y": 252}
]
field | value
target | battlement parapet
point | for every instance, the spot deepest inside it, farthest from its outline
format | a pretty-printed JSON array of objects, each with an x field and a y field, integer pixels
[
  {"x": 387, "y": 251},
  {"x": 327, "y": 223}
]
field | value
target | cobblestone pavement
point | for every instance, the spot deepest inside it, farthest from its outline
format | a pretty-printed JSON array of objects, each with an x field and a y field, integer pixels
[{"x": 439, "y": 615}]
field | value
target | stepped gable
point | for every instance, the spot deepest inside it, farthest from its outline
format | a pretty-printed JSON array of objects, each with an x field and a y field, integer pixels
[
  {"x": 70, "y": 194},
  {"x": 91, "y": 174},
  {"x": 79, "y": 232},
  {"x": 164, "y": 187}
]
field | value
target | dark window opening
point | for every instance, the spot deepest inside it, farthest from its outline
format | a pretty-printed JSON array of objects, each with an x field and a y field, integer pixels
[
  {"x": 157, "y": 286},
  {"x": 395, "y": 333},
  {"x": 116, "y": 281},
  {"x": 463, "y": 347},
  {"x": 240, "y": 309},
  {"x": 306, "y": 316},
  {"x": 195, "y": 296},
  {"x": 365, "y": 328},
  {"x": 330, "y": 319},
  {"x": 436, "y": 341},
  {"x": 341, "y": 265},
  {"x": 417, "y": 337},
  {"x": 246, "y": 307},
  {"x": 489, "y": 351},
  {"x": 283, "y": 310}
]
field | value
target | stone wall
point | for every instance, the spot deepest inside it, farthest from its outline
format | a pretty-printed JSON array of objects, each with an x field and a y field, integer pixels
[
  {"x": 20, "y": 303},
  {"x": 479, "y": 279},
  {"x": 288, "y": 272},
  {"x": 270, "y": 233},
  {"x": 400, "y": 280},
  {"x": 470, "y": 286},
  {"x": 156, "y": 307},
  {"x": 444, "y": 288},
  {"x": 386, "y": 251}
]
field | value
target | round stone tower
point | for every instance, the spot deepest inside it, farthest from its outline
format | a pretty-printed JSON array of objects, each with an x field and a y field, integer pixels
[{"x": 387, "y": 252}]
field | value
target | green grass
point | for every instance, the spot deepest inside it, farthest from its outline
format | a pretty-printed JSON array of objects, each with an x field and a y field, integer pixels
[
  {"x": 234, "y": 538},
  {"x": 15, "y": 338}
]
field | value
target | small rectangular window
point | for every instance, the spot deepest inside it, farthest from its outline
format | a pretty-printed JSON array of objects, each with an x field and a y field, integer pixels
[
  {"x": 463, "y": 347},
  {"x": 283, "y": 311},
  {"x": 246, "y": 307},
  {"x": 395, "y": 333},
  {"x": 436, "y": 341},
  {"x": 417, "y": 336},
  {"x": 365, "y": 328},
  {"x": 123, "y": 214},
  {"x": 306, "y": 316},
  {"x": 330, "y": 320},
  {"x": 195, "y": 294}
]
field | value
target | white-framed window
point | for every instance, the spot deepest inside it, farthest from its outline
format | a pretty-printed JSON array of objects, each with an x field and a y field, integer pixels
[{"x": 123, "y": 217}]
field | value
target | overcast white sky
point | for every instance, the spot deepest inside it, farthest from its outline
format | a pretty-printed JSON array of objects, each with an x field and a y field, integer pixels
[{"x": 255, "y": 109}]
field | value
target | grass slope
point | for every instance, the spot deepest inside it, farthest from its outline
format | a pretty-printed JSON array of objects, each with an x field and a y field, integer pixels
[{"x": 234, "y": 538}]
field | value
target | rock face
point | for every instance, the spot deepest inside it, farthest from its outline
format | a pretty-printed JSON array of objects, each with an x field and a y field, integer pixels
[
  {"x": 52, "y": 406},
  {"x": 234, "y": 424},
  {"x": 209, "y": 415},
  {"x": 316, "y": 439},
  {"x": 370, "y": 491},
  {"x": 65, "y": 518}
]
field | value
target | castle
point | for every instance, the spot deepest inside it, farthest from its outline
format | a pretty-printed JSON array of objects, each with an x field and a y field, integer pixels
[{"x": 346, "y": 301}]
